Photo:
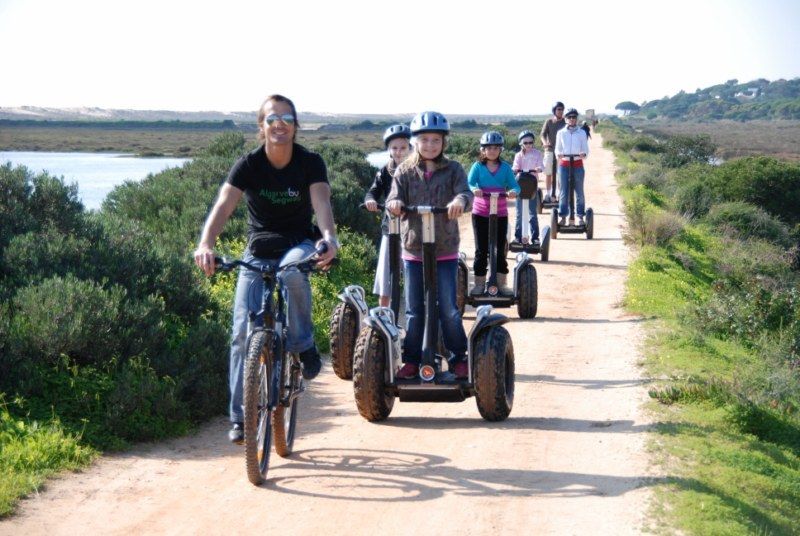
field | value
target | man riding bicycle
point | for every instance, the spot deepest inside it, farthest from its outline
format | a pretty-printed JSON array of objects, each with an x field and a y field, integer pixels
[{"x": 284, "y": 185}]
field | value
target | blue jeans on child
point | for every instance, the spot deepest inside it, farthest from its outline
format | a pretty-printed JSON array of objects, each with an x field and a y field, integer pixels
[
  {"x": 563, "y": 201},
  {"x": 249, "y": 289},
  {"x": 534, "y": 221},
  {"x": 455, "y": 338}
]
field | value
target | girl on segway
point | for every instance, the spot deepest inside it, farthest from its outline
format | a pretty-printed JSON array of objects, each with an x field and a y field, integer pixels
[
  {"x": 396, "y": 140},
  {"x": 528, "y": 159},
  {"x": 490, "y": 174},
  {"x": 427, "y": 177}
]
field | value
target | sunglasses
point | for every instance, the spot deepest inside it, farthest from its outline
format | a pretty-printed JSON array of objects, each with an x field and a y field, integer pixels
[
  {"x": 527, "y": 143},
  {"x": 286, "y": 118}
]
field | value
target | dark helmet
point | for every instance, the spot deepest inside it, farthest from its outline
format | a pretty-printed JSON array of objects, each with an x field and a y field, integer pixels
[
  {"x": 396, "y": 131},
  {"x": 429, "y": 122},
  {"x": 492, "y": 138},
  {"x": 572, "y": 112},
  {"x": 526, "y": 134},
  {"x": 558, "y": 104}
]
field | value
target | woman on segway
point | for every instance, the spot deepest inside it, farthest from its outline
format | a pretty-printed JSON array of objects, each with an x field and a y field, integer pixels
[
  {"x": 396, "y": 141},
  {"x": 571, "y": 141},
  {"x": 427, "y": 177},
  {"x": 528, "y": 159},
  {"x": 490, "y": 174}
]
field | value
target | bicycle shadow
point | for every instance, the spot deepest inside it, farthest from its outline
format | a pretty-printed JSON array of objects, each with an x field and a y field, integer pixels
[{"x": 391, "y": 476}]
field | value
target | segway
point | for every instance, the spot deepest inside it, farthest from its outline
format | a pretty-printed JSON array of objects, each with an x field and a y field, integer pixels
[
  {"x": 587, "y": 227},
  {"x": 525, "y": 290},
  {"x": 490, "y": 353},
  {"x": 349, "y": 313},
  {"x": 527, "y": 183}
]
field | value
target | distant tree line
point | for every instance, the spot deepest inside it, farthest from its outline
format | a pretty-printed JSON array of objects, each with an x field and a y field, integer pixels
[
  {"x": 224, "y": 125},
  {"x": 758, "y": 99}
]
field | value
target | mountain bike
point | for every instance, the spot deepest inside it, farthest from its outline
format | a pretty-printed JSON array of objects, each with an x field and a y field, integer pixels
[{"x": 273, "y": 380}]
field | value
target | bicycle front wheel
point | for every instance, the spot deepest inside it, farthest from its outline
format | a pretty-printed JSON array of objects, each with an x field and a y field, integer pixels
[
  {"x": 284, "y": 417},
  {"x": 257, "y": 413}
]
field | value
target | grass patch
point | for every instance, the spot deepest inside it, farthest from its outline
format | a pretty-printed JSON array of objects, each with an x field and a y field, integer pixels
[{"x": 32, "y": 451}]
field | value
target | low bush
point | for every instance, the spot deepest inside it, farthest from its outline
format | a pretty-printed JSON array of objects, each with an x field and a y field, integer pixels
[
  {"x": 744, "y": 221},
  {"x": 682, "y": 149}
]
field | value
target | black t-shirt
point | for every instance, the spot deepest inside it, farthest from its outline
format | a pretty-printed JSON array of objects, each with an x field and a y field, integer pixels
[{"x": 278, "y": 200}]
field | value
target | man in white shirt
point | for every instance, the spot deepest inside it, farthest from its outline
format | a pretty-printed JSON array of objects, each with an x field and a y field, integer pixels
[{"x": 571, "y": 141}]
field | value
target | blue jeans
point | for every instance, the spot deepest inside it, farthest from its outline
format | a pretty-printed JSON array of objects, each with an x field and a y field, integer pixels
[
  {"x": 249, "y": 289},
  {"x": 580, "y": 200},
  {"x": 455, "y": 338},
  {"x": 534, "y": 221}
]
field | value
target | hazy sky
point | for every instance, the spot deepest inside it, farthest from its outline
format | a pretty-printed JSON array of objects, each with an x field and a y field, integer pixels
[{"x": 380, "y": 56}]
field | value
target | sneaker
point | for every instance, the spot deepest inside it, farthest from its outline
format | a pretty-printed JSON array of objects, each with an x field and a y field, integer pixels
[
  {"x": 572, "y": 222},
  {"x": 312, "y": 363},
  {"x": 580, "y": 220},
  {"x": 562, "y": 221},
  {"x": 548, "y": 199},
  {"x": 461, "y": 370},
  {"x": 408, "y": 371},
  {"x": 236, "y": 433}
]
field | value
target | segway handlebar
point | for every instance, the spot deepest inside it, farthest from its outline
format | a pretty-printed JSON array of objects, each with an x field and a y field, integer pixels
[
  {"x": 424, "y": 209},
  {"x": 488, "y": 195}
]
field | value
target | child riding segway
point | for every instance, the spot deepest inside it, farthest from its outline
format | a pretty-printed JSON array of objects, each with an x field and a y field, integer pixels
[
  {"x": 490, "y": 178},
  {"x": 481, "y": 364},
  {"x": 527, "y": 163},
  {"x": 571, "y": 149}
]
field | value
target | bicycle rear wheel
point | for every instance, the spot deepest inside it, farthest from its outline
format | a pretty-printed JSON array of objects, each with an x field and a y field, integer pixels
[
  {"x": 284, "y": 417},
  {"x": 257, "y": 418}
]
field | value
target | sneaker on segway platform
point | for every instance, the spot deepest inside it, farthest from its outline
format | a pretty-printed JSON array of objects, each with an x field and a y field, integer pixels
[
  {"x": 562, "y": 221},
  {"x": 480, "y": 286},
  {"x": 581, "y": 220},
  {"x": 408, "y": 371},
  {"x": 312, "y": 363},
  {"x": 461, "y": 370},
  {"x": 501, "y": 285}
]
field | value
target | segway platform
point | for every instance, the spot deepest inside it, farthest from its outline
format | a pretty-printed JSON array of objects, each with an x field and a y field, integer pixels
[{"x": 444, "y": 388}]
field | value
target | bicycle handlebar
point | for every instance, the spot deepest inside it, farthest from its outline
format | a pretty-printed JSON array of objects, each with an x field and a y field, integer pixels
[{"x": 306, "y": 263}]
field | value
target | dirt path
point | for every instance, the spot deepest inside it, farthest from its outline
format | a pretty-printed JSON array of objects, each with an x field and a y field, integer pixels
[{"x": 569, "y": 460}]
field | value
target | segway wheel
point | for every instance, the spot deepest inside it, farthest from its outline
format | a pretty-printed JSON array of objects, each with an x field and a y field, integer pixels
[
  {"x": 343, "y": 331},
  {"x": 589, "y": 223},
  {"x": 539, "y": 207},
  {"x": 554, "y": 223},
  {"x": 528, "y": 292},
  {"x": 545, "y": 247},
  {"x": 370, "y": 376},
  {"x": 461, "y": 288},
  {"x": 493, "y": 369}
]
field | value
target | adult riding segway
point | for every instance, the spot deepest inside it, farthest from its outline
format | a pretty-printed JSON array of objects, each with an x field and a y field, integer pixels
[
  {"x": 490, "y": 353},
  {"x": 527, "y": 183},
  {"x": 525, "y": 293},
  {"x": 570, "y": 228},
  {"x": 349, "y": 313}
]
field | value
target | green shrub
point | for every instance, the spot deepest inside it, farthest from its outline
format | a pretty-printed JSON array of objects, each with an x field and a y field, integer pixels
[
  {"x": 747, "y": 221},
  {"x": 65, "y": 316},
  {"x": 762, "y": 181},
  {"x": 694, "y": 199},
  {"x": 685, "y": 149}
]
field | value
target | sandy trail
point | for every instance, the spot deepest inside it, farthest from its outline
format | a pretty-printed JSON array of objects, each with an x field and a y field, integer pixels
[{"x": 570, "y": 460}]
